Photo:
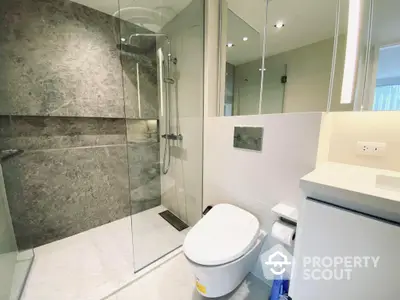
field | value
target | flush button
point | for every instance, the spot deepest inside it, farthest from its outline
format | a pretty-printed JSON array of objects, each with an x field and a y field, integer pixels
[{"x": 250, "y": 138}]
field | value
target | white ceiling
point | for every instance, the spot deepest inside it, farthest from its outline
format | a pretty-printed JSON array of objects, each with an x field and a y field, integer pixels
[
  {"x": 243, "y": 51},
  {"x": 251, "y": 11},
  {"x": 306, "y": 21},
  {"x": 152, "y": 14}
]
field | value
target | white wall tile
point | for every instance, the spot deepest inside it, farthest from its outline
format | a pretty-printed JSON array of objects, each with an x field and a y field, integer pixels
[{"x": 256, "y": 181}]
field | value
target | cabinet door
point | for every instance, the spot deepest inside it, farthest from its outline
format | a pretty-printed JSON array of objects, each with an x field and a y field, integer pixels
[{"x": 326, "y": 233}]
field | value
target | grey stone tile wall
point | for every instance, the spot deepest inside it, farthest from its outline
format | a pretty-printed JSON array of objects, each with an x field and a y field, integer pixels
[
  {"x": 30, "y": 133},
  {"x": 144, "y": 175},
  {"x": 60, "y": 58},
  {"x": 144, "y": 164},
  {"x": 55, "y": 194},
  {"x": 147, "y": 106},
  {"x": 65, "y": 93},
  {"x": 142, "y": 131},
  {"x": 73, "y": 174}
]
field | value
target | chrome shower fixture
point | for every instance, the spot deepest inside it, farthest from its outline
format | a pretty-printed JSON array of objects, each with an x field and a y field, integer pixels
[{"x": 171, "y": 59}]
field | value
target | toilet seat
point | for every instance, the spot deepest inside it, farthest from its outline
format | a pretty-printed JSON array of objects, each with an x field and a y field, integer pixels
[{"x": 222, "y": 236}]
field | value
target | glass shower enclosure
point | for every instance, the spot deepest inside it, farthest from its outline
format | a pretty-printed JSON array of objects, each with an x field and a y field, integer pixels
[
  {"x": 14, "y": 263},
  {"x": 101, "y": 132},
  {"x": 162, "y": 53}
]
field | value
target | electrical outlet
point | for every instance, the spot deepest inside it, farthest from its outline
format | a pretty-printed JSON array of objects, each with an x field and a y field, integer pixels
[{"x": 371, "y": 148}]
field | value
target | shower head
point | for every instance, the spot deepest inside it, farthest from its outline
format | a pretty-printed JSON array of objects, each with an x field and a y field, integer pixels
[
  {"x": 129, "y": 49},
  {"x": 147, "y": 35}
]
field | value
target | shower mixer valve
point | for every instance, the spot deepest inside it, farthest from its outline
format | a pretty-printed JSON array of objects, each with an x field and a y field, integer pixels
[{"x": 173, "y": 137}]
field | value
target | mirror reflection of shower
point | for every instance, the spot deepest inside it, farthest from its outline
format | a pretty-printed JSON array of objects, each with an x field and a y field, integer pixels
[{"x": 165, "y": 82}]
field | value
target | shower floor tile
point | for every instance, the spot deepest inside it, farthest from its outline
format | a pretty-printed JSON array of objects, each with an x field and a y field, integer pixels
[
  {"x": 153, "y": 236},
  {"x": 97, "y": 262}
]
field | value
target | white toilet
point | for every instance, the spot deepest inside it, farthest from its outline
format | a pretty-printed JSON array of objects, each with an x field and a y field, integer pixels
[{"x": 222, "y": 248}]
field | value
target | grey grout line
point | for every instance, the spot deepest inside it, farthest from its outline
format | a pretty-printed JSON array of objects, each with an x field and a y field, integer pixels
[
  {"x": 73, "y": 148},
  {"x": 88, "y": 147}
]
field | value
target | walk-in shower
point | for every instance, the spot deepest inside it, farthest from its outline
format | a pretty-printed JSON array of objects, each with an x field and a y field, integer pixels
[
  {"x": 175, "y": 48},
  {"x": 165, "y": 80},
  {"x": 96, "y": 104}
]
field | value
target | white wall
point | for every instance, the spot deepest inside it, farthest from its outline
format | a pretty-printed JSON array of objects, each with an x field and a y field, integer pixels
[
  {"x": 182, "y": 186},
  {"x": 256, "y": 181},
  {"x": 247, "y": 87},
  {"x": 342, "y": 130},
  {"x": 309, "y": 70},
  {"x": 292, "y": 146}
]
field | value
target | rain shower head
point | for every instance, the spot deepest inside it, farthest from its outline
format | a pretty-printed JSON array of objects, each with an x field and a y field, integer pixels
[
  {"x": 149, "y": 34},
  {"x": 154, "y": 35},
  {"x": 129, "y": 49}
]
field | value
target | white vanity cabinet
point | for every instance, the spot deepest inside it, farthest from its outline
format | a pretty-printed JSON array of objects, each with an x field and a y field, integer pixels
[{"x": 348, "y": 237}]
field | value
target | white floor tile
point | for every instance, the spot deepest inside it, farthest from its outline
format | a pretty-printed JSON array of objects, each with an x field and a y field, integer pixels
[
  {"x": 21, "y": 272},
  {"x": 153, "y": 237},
  {"x": 174, "y": 281},
  {"x": 67, "y": 269},
  {"x": 95, "y": 263}
]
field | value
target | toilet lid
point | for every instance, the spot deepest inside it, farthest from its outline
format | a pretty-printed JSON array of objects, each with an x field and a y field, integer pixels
[{"x": 223, "y": 235}]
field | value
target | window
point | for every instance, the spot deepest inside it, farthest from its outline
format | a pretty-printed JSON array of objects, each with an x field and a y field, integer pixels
[{"x": 387, "y": 97}]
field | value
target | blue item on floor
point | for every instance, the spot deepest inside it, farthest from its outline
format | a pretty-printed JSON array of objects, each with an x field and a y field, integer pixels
[{"x": 280, "y": 287}]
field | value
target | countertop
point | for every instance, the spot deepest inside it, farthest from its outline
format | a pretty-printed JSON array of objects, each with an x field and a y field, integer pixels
[{"x": 356, "y": 188}]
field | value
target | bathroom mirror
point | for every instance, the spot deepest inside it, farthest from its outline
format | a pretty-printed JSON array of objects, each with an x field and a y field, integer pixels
[
  {"x": 242, "y": 56},
  {"x": 289, "y": 68},
  {"x": 382, "y": 81}
]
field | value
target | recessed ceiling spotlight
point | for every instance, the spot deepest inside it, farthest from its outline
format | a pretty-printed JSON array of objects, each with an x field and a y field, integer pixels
[
  {"x": 245, "y": 38},
  {"x": 123, "y": 39},
  {"x": 279, "y": 24},
  {"x": 230, "y": 45}
]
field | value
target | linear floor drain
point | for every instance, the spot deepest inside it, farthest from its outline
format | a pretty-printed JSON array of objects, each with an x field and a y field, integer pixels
[{"x": 173, "y": 220}]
